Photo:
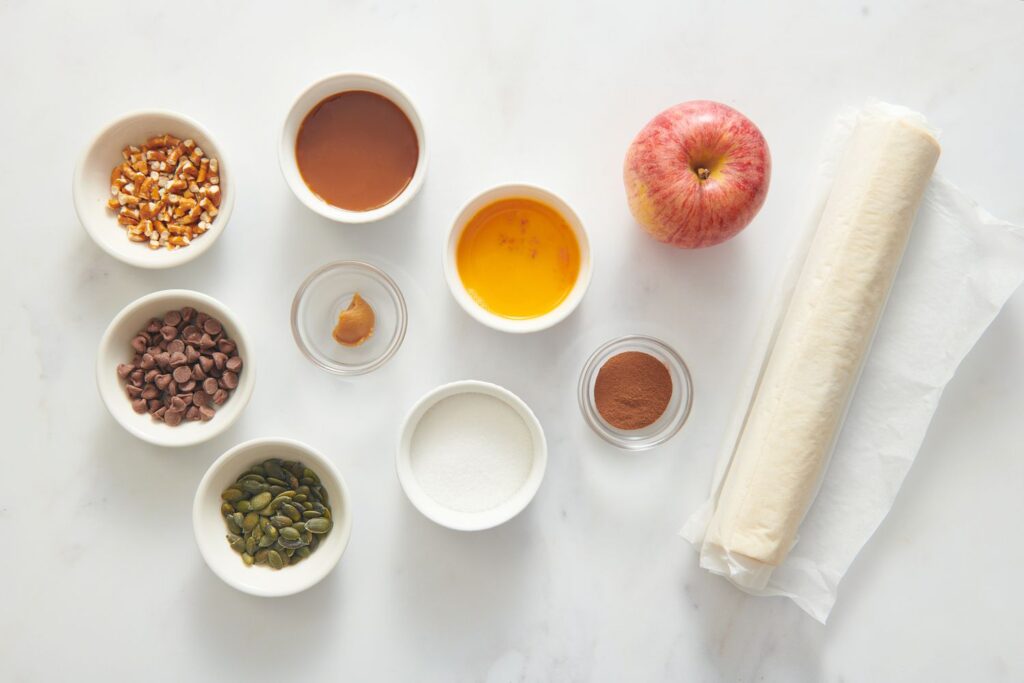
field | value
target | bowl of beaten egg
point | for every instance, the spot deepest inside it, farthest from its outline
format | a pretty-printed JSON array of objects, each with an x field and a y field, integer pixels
[{"x": 517, "y": 258}]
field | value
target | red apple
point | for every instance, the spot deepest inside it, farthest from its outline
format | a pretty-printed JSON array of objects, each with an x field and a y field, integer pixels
[{"x": 697, "y": 174}]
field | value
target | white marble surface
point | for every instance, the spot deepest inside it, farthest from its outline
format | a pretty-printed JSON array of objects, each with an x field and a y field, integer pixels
[{"x": 102, "y": 578}]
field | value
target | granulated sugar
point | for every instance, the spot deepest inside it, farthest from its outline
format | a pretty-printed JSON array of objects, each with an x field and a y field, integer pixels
[{"x": 471, "y": 452}]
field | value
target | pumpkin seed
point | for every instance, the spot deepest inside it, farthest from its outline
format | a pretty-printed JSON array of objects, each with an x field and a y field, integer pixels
[
  {"x": 276, "y": 513},
  {"x": 319, "y": 525},
  {"x": 232, "y": 494},
  {"x": 274, "y": 559},
  {"x": 260, "y": 500}
]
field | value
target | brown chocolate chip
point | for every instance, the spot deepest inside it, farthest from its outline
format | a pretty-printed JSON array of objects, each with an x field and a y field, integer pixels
[
  {"x": 163, "y": 359},
  {"x": 234, "y": 364},
  {"x": 168, "y": 332},
  {"x": 175, "y": 346},
  {"x": 153, "y": 326},
  {"x": 136, "y": 377},
  {"x": 173, "y": 417},
  {"x": 150, "y": 391},
  {"x": 172, "y": 318},
  {"x": 197, "y": 373},
  {"x": 201, "y": 398},
  {"x": 160, "y": 412},
  {"x": 219, "y": 360},
  {"x": 182, "y": 374},
  {"x": 172, "y": 387},
  {"x": 189, "y": 332},
  {"x": 133, "y": 391},
  {"x": 210, "y": 385},
  {"x": 187, "y": 386},
  {"x": 205, "y": 363},
  {"x": 162, "y": 381},
  {"x": 150, "y": 375},
  {"x": 177, "y": 359},
  {"x": 188, "y": 313},
  {"x": 155, "y": 404},
  {"x": 139, "y": 405},
  {"x": 201, "y": 318},
  {"x": 212, "y": 326},
  {"x": 220, "y": 396},
  {"x": 206, "y": 413},
  {"x": 147, "y": 361},
  {"x": 229, "y": 380},
  {"x": 226, "y": 346},
  {"x": 123, "y": 370},
  {"x": 177, "y": 405},
  {"x": 140, "y": 343},
  {"x": 206, "y": 341},
  {"x": 191, "y": 354},
  {"x": 192, "y": 414},
  {"x": 186, "y": 397}
]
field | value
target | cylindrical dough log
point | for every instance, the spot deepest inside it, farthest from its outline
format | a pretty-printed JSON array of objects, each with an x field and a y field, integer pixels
[{"x": 799, "y": 404}]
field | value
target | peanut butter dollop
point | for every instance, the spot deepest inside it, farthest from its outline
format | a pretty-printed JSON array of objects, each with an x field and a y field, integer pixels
[{"x": 355, "y": 323}]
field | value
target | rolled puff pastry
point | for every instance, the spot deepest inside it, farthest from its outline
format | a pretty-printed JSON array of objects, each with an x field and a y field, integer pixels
[{"x": 812, "y": 367}]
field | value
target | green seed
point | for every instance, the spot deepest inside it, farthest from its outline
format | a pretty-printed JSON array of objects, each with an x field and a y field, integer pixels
[
  {"x": 226, "y": 508},
  {"x": 266, "y": 541},
  {"x": 303, "y": 552},
  {"x": 275, "y": 490},
  {"x": 260, "y": 500},
  {"x": 261, "y": 556},
  {"x": 299, "y": 526},
  {"x": 274, "y": 558},
  {"x": 320, "y": 525},
  {"x": 280, "y": 521},
  {"x": 310, "y": 514},
  {"x": 236, "y": 543},
  {"x": 248, "y": 559},
  {"x": 290, "y": 533},
  {"x": 231, "y": 495},
  {"x": 300, "y": 498},
  {"x": 252, "y": 486},
  {"x": 250, "y": 521},
  {"x": 232, "y": 525},
  {"x": 251, "y": 475},
  {"x": 290, "y": 511},
  {"x": 243, "y": 506},
  {"x": 258, "y": 469}
]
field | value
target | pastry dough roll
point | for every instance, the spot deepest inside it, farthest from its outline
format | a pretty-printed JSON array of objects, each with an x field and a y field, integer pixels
[{"x": 812, "y": 367}]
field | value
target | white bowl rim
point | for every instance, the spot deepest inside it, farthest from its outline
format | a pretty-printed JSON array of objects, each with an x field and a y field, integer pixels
[
  {"x": 144, "y": 257},
  {"x": 518, "y": 325},
  {"x": 470, "y": 521},
  {"x": 286, "y": 149},
  {"x": 323, "y": 463},
  {"x": 242, "y": 393}
]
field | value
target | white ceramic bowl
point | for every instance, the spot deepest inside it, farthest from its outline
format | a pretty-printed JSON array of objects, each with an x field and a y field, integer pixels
[
  {"x": 115, "y": 348},
  {"x": 312, "y": 96},
  {"x": 481, "y": 314},
  {"x": 455, "y": 519},
  {"x": 91, "y": 187},
  {"x": 210, "y": 530}
]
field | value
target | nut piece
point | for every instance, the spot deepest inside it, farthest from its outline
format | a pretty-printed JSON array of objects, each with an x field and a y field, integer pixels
[{"x": 166, "y": 192}]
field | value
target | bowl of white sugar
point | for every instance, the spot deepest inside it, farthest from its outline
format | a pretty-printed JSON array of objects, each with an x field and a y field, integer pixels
[{"x": 471, "y": 455}]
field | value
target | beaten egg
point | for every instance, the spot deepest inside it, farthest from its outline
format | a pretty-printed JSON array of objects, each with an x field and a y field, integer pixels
[{"x": 518, "y": 258}]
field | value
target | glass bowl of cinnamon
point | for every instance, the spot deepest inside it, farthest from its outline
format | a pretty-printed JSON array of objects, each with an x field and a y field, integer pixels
[{"x": 635, "y": 392}]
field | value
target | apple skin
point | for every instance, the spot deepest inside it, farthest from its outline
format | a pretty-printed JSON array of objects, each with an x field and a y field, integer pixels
[{"x": 697, "y": 174}]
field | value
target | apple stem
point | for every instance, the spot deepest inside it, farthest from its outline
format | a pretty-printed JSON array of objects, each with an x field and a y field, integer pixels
[{"x": 703, "y": 173}]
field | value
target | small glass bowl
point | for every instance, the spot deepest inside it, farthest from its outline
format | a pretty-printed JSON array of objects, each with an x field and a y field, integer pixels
[
  {"x": 666, "y": 426},
  {"x": 325, "y": 294}
]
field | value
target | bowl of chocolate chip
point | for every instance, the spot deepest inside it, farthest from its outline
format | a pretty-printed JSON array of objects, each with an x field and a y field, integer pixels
[{"x": 174, "y": 368}]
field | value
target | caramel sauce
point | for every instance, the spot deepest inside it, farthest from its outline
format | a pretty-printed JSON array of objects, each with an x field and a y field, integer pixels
[{"x": 357, "y": 150}]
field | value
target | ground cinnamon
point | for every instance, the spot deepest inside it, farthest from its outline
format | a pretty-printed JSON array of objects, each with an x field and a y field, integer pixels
[{"x": 632, "y": 390}]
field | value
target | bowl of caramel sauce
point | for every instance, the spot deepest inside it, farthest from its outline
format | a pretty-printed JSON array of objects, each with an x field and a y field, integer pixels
[{"x": 353, "y": 148}]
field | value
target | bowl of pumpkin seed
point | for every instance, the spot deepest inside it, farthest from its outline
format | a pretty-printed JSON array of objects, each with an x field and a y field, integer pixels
[{"x": 271, "y": 517}]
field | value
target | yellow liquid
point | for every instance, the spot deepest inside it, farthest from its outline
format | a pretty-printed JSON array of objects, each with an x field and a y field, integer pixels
[{"x": 518, "y": 258}]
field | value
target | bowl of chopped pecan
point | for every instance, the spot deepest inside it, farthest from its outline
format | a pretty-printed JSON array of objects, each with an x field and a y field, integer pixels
[{"x": 152, "y": 190}]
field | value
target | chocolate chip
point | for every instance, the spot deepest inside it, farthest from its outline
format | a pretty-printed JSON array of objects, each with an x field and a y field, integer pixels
[
  {"x": 197, "y": 373},
  {"x": 201, "y": 398},
  {"x": 139, "y": 405},
  {"x": 172, "y": 318},
  {"x": 168, "y": 332},
  {"x": 212, "y": 326},
  {"x": 163, "y": 359},
  {"x": 132, "y": 391},
  {"x": 210, "y": 385},
  {"x": 220, "y": 396},
  {"x": 229, "y": 380},
  {"x": 150, "y": 391},
  {"x": 173, "y": 417},
  {"x": 219, "y": 360},
  {"x": 177, "y": 359},
  {"x": 234, "y": 364},
  {"x": 188, "y": 313},
  {"x": 186, "y": 397},
  {"x": 162, "y": 381},
  {"x": 150, "y": 375},
  {"x": 123, "y": 370},
  {"x": 155, "y": 404},
  {"x": 175, "y": 346},
  {"x": 160, "y": 412},
  {"x": 187, "y": 386},
  {"x": 192, "y": 414},
  {"x": 205, "y": 363},
  {"x": 226, "y": 346},
  {"x": 206, "y": 413},
  {"x": 191, "y": 354},
  {"x": 177, "y": 405},
  {"x": 140, "y": 343},
  {"x": 154, "y": 326},
  {"x": 182, "y": 374}
]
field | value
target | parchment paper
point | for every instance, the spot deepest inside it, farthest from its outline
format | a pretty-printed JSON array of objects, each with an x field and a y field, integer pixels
[{"x": 960, "y": 267}]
